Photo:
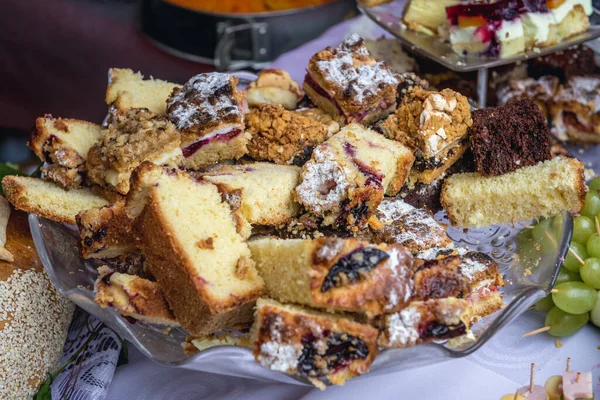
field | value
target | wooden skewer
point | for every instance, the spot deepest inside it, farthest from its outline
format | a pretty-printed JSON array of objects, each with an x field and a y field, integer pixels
[
  {"x": 576, "y": 256},
  {"x": 569, "y": 364},
  {"x": 516, "y": 395},
  {"x": 578, "y": 377},
  {"x": 528, "y": 226},
  {"x": 532, "y": 378},
  {"x": 554, "y": 291},
  {"x": 535, "y": 332},
  {"x": 551, "y": 238},
  {"x": 597, "y": 225}
]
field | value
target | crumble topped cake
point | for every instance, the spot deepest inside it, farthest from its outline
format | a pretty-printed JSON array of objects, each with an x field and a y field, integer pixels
[
  {"x": 576, "y": 110},
  {"x": 314, "y": 345},
  {"x": 406, "y": 82},
  {"x": 63, "y": 145},
  {"x": 391, "y": 51},
  {"x": 564, "y": 64},
  {"x": 274, "y": 86},
  {"x": 195, "y": 248},
  {"x": 282, "y": 136},
  {"x": 509, "y": 137},
  {"x": 434, "y": 125},
  {"x": 133, "y": 297},
  {"x": 127, "y": 89},
  {"x": 267, "y": 190},
  {"x": 347, "y": 176},
  {"x": 321, "y": 116},
  {"x": 334, "y": 273},
  {"x": 491, "y": 28},
  {"x": 400, "y": 223},
  {"x": 550, "y": 187},
  {"x": 106, "y": 232},
  {"x": 425, "y": 321},
  {"x": 540, "y": 91},
  {"x": 136, "y": 136},
  {"x": 346, "y": 81},
  {"x": 208, "y": 110}
]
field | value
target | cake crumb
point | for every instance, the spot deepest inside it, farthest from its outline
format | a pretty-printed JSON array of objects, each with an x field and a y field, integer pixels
[
  {"x": 558, "y": 344},
  {"x": 527, "y": 272}
]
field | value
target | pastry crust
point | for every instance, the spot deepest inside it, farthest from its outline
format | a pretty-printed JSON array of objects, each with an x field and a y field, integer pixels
[
  {"x": 133, "y": 297},
  {"x": 336, "y": 274},
  {"x": 274, "y": 86},
  {"x": 353, "y": 83},
  {"x": 48, "y": 200},
  {"x": 294, "y": 340},
  {"x": 281, "y": 136}
]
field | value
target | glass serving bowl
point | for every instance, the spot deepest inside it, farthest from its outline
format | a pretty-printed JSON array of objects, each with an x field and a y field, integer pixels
[
  {"x": 390, "y": 15},
  {"x": 529, "y": 267}
]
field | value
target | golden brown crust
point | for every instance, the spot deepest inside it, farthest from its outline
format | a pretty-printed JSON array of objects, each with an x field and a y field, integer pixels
[
  {"x": 281, "y": 136},
  {"x": 403, "y": 167},
  {"x": 295, "y": 328},
  {"x": 274, "y": 86},
  {"x": 132, "y": 296},
  {"x": 429, "y": 175},
  {"x": 106, "y": 232}
]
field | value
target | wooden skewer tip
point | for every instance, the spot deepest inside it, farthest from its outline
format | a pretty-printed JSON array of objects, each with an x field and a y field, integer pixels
[
  {"x": 532, "y": 378},
  {"x": 597, "y": 225},
  {"x": 578, "y": 377},
  {"x": 535, "y": 332},
  {"x": 576, "y": 256},
  {"x": 549, "y": 236},
  {"x": 554, "y": 291},
  {"x": 569, "y": 364}
]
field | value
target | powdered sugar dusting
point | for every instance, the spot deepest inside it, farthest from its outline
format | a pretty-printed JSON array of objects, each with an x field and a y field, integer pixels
[
  {"x": 354, "y": 72},
  {"x": 324, "y": 182},
  {"x": 542, "y": 89},
  {"x": 278, "y": 357},
  {"x": 203, "y": 99},
  {"x": 401, "y": 274},
  {"x": 402, "y": 327}
]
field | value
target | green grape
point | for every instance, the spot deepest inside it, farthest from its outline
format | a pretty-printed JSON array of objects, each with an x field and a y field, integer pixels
[
  {"x": 583, "y": 227},
  {"x": 592, "y": 204},
  {"x": 545, "y": 237},
  {"x": 590, "y": 272},
  {"x": 538, "y": 231},
  {"x": 557, "y": 224},
  {"x": 595, "y": 184},
  {"x": 544, "y": 304},
  {"x": 571, "y": 263},
  {"x": 593, "y": 246},
  {"x": 574, "y": 297},
  {"x": 565, "y": 324},
  {"x": 595, "y": 313},
  {"x": 564, "y": 275}
]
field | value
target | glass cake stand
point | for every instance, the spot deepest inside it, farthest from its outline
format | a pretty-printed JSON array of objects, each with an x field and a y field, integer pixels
[
  {"x": 530, "y": 271},
  {"x": 389, "y": 16}
]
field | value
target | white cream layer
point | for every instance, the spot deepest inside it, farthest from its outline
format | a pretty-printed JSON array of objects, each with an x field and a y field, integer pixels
[{"x": 565, "y": 8}]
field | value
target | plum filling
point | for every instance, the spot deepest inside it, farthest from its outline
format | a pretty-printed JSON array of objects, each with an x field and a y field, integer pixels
[
  {"x": 317, "y": 360},
  {"x": 310, "y": 81},
  {"x": 571, "y": 119},
  {"x": 190, "y": 150},
  {"x": 439, "y": 331},
  {"x": 373, "y": 178},
  {"x": 96, "y": 237},
  {"x": 349, "y": 267}
]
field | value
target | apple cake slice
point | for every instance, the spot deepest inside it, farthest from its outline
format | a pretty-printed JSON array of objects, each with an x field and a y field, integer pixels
[{"x": 195, "y": 248}]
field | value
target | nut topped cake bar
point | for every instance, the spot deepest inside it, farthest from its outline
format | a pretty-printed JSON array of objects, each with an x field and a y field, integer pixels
[
  {"x": 347, "y": 176},
  {"x": 208, "y": 111},
  {"x": 576, "y": 110},
  {"x": 195, "y": 247},
  {"x": 337, "y": 274},
  {"x": 434, "y": 125},
  {"x": 282, "y": 136},
  {"x": 509, "y": 137},
  {"x": 318, "y": 346},
  {"x": 132, "y": 137},
  {"x": 63, "y": 145},
  {"x": 540, "y": 91},
  {"x": 347, "y": 81}
]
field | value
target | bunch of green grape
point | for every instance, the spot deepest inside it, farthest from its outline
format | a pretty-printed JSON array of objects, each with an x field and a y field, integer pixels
[{"x": 576, "y": 299}]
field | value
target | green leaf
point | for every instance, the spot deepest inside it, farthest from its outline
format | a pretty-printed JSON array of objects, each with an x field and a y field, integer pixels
[{"x": 44, "y": 392}]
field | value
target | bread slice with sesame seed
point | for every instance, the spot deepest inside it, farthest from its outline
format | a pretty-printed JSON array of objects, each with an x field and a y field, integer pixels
[
  {"x": 127, "y": 89},
  {"x": 48, "y": 200},
  {"x": 195, "y": 247}
]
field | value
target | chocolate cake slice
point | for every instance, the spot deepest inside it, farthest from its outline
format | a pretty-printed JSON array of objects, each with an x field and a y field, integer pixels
[{"x": 509, "y": 137}]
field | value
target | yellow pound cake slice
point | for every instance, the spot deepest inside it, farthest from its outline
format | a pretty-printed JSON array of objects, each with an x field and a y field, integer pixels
[
  {"x": 49, "y": 200},
  {"x": 313, "y": 345},
  {"x": 62, "y": 145},
  {"x": 543, "y": 190},
  {"x": 193, "y": 246},
  {"x": 267, "y": 190},
  {"x": 339, "y": 274},
  {"x": 133, "y": 297},
  {"x": 127, "y": 89}
]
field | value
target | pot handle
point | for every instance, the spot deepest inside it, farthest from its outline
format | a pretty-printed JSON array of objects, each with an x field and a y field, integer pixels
[{"x": 258, "y": 54}]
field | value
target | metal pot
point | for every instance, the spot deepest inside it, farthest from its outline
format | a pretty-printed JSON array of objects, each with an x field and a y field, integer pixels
[{"x": 236, "y": 41}]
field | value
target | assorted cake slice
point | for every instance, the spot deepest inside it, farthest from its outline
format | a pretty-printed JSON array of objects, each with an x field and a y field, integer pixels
[
  {"x": 346, "y": 81},
  {"x": 274, "y": 86},
  {"x": 318, "y": 346},
  {"x": 204, "y": 269},
  {"x": 208, "y": 111},
  {"x": 541, "y": 91},
  {"x": 347, "y": 176}
]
